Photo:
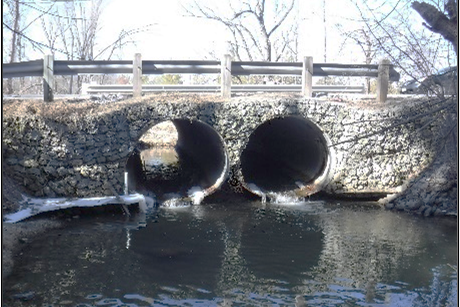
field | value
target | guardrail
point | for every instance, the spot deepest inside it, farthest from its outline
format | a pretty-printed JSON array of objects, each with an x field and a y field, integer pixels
[
  {"x": 238, "y": 88},
  {"x": 48, "y": 68}
]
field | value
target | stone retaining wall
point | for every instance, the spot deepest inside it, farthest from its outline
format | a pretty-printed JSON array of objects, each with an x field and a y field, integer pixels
[{"x": 85, "y": 155}]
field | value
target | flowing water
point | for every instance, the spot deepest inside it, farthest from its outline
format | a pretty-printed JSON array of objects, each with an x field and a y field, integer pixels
[{"x": 242, "y": 252}]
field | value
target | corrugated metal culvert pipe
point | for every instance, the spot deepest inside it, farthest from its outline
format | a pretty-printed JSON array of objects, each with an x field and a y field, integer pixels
[
  {"x": 287, "y": 156},
  {"x": 202, "y": 165},
  {"x": 201, "y": 147}
]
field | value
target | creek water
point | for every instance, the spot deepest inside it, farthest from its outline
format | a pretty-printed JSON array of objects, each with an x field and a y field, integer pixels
[
  {"x": 242, "y": 252},
  {"x": 238, "y": 252}
]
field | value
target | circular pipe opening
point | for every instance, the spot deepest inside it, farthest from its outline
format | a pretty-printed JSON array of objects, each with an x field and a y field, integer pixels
[
  {"x": 288, "y": 156},
  {"x": 194, "y": 165}
]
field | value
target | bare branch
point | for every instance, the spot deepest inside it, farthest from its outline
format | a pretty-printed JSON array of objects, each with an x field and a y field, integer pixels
[
  {"x": 282, "y": 19},
  {"x": 248, "y": 26}
]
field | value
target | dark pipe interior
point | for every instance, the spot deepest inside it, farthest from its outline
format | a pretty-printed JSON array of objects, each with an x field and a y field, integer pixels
[
  {"x": 200, "y": 147},
  {"x": 202, "y": 161},
  {"x": 284, "y": 151}
]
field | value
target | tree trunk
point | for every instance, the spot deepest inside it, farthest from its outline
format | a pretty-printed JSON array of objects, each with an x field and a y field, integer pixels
[
  {"x": 14, "y": 43},
  {"x": 438, "y": 22}
]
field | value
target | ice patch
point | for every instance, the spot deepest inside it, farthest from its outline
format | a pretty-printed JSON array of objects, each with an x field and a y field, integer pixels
[
  {"x": 33, "y": 206},
  {"x": 18, "y": 216}
]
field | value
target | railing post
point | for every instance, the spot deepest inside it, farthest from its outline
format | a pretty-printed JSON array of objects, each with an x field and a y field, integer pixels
[
  {"x": 383, "y": 80},
  {"x": 137, "y": 75},
  {"x": 307, "y": 74},
  {"x": 48, "y": 78},
  {"x": 226, "y": 76}
]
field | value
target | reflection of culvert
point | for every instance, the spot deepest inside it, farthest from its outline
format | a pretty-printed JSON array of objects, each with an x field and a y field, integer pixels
[
  {"x": 201, "y": 167},
  {"x": 287, "y": 155}
]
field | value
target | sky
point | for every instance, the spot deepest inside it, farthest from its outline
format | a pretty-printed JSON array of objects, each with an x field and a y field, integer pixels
[
  {"x": 172, "y": 36},
  {"x": 175, "y": 36}
]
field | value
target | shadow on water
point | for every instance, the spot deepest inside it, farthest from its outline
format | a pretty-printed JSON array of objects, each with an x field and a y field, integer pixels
[{"x": 245, "y": 252}]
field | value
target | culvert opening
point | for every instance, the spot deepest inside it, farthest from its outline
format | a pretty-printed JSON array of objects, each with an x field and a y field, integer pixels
[
  {"x": 178, "y": 159},
  {"x": 286, "y": 155}
]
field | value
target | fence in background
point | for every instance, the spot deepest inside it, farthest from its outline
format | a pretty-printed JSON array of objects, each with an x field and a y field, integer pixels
[{"x": 48, "y": 68}]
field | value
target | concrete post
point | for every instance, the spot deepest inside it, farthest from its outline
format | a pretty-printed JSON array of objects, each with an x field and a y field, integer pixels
[
  {"x": 226, "y": 76},
  {"x": 48, "y": 78},
  {"x": 383, "y": 80},
  {"x": 307, "y": 74},
  {"x": 137, "y": 75}
]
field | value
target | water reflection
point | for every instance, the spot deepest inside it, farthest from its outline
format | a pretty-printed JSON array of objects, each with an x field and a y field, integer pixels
[
  {"x": 365, "y": 246},
  {"x": 310, "y": 254},
  {"x": 152, "y": 157},
  {"x": 374, "y": 257}
]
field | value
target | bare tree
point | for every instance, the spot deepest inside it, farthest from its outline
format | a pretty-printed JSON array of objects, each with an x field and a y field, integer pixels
[
  {"x": 368, "y": 45},
  {"x": 417, "y": 51},
  {"x": 261, "y": 30},
  {"x": 420, "y": 51},
  {"x": 72, "y": 29},
  {"x": 18, "y": 19},
  {"x": 325, "y": 31},
  {"x": 15, "y": 48},
  {"x": 73, "y": 26},
  {"x": 439, "y": 22}
]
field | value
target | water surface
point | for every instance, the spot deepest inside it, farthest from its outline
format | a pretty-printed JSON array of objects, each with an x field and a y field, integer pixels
[{"x": 242, "y": 253}]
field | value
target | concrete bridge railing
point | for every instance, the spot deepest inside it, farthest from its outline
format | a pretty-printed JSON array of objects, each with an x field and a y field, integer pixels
[{"x": 284, "y": 144}]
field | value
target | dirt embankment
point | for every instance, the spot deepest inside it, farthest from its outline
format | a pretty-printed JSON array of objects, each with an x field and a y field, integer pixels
[{"x": 434, "y": 191}]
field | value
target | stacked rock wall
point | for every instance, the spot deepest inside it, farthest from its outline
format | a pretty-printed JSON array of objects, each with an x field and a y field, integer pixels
[{"x": 375, "y": 149}]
